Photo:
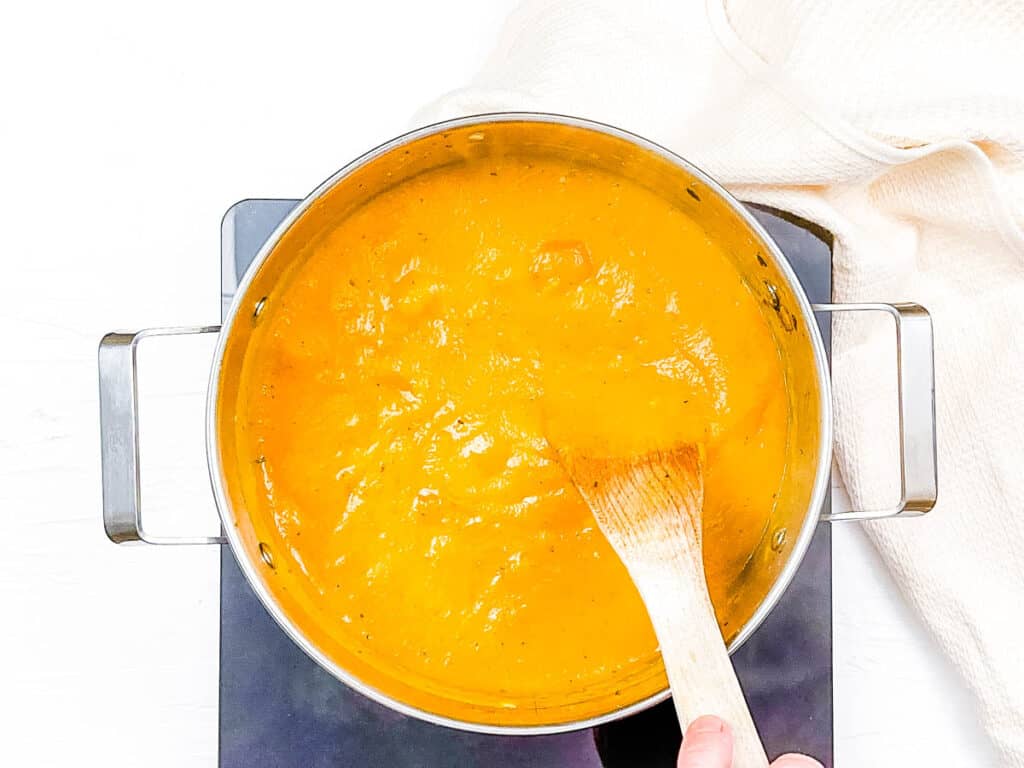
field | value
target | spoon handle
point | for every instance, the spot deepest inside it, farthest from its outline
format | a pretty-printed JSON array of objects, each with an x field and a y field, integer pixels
[{"x": 700, "y": 673}]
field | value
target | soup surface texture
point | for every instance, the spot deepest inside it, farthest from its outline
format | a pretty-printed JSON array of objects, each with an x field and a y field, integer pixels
[{"x": 398, "y": 395}]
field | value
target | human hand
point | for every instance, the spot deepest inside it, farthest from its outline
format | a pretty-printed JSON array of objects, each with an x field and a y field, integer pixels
[{"x": 708, "y": 744}]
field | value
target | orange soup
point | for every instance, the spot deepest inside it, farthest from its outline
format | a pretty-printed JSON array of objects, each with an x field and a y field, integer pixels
[{"x": 397, "y": 399}]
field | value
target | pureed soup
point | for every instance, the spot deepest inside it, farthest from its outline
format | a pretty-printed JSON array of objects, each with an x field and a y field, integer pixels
[{"x": 395, "y": 407}]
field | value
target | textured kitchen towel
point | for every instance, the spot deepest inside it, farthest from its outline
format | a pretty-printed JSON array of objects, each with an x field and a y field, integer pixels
[{"x": 899, "y": 126}]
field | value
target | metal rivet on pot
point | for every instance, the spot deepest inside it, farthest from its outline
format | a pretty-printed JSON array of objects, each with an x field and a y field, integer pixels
[
  {"x": 268, "y": 558},
  {"x": 779, "y": 539},
  {"x": 259, "y": 308},
  {"x": 773, "y": 296}
]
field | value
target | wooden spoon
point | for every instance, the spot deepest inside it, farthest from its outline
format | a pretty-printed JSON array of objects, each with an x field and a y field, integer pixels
[{"x": 649, "y": 508}]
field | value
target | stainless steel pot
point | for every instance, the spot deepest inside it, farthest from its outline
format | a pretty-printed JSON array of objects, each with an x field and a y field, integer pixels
[{"x": 756, "y": 255}]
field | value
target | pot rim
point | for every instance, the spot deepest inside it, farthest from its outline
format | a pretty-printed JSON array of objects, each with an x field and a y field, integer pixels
[{"x": 226, "y": 512}]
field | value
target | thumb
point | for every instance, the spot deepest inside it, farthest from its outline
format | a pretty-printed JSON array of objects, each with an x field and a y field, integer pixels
[
  {"x": 796, "y": 761},
  {"x": 707, "y": 744}
]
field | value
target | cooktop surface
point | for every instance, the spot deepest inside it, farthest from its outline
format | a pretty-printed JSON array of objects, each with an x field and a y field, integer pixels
[{"x": 279, "y": 709}]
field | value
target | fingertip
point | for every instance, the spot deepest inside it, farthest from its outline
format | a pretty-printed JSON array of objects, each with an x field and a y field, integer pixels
[
  {"x": 707, "y": 744},
  {"x": 707, "y": 724},
  {"x": 796, "y": 761}
]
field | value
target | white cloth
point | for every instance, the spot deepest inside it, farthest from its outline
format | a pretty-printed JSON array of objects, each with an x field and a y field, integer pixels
[{"x": 899, "y": 126}]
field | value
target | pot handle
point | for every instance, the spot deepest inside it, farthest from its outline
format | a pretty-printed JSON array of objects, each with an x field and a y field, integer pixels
[
  {"x": 915, "y": 365},
  {"x": 119, "y": 437}
]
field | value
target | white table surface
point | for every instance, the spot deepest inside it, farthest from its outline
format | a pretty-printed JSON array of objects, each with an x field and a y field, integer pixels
[{"x": 126, "y": 130}]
